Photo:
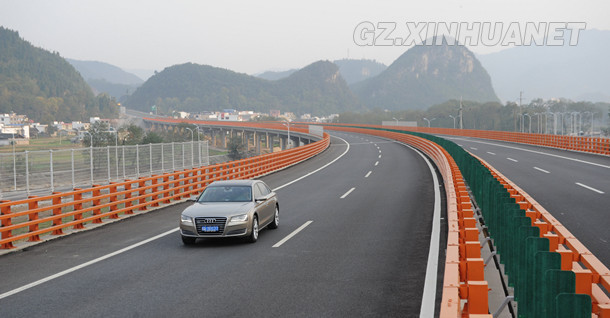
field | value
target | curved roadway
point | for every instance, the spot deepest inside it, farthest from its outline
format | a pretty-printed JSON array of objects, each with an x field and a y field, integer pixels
[
  {"x": 365, "y": 225},
  {"x": 574, "y": 187}
]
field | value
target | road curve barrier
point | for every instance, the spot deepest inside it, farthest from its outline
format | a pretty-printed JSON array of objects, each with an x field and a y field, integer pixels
[
  {"x": 574, "y": 143},
  {"x": 56, "y": 214},
  {"x": 465, "y": 290},
  {"x": 552, "y": 273}
]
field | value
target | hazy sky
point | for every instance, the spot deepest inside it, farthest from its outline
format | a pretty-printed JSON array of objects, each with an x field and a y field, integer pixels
[{"x": 254, "y": 36}]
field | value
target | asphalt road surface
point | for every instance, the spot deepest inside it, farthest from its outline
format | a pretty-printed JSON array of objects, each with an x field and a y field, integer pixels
[
  {"x": 574, "y": 187},
  {"x": 362, "y": 251}
]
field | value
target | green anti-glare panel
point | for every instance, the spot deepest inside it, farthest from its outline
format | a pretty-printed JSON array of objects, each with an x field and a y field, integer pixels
[
  {"x": 573, "y": 306},
  {"x": 524, "y": 287},
  {"x": 548, "y": 279}
]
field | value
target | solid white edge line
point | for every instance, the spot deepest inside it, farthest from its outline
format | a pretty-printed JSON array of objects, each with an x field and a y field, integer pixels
[
  {"x": 101, "y": 258},
  {"x": 347, "y": 193},
  {"x": 368, "y": 174},
  {"x": 324, "y": 166},
  {"x": 428, "y": 301},
  {"x": 91, "y": 262},
  {"x": 295, "y": 232},
  {"x": 542, "y": 170},
  {"x": 590, "y": 188}
]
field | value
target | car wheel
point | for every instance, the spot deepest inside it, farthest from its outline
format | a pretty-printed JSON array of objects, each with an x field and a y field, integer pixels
[
  {"x": 187, "y": 240},
  {"x": 254, "y": 234},
  {"x": 276, "y": 219}
]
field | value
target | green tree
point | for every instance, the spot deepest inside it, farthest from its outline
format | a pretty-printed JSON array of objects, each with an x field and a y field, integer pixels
[
  {"x": 236, "y": 148},
  {"x": 131, "y": 134},
  {"x": 152, "y": 138},
  {"x": 99, "y": 135}
]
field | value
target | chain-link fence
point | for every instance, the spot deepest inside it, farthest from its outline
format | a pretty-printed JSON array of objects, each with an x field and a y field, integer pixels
[{"x": 42, "y": 172}]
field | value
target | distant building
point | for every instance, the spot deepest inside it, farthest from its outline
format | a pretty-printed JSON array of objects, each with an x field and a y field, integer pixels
[
  {"x": 274, "y": 113},
  {"x": 77, "y": 125},
  {"x": 13, "y": 119},
  {"x": 15, "y": 131},
  {"x": 228, "y": 117},
  {"x": 181, "y": 115},
  {"x": 41, "y": 129}
]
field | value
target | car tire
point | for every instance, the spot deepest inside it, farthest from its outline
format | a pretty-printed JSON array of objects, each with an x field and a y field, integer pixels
[
  {"x": 253, "y": 237},
  {"x": 276, "y": 219},
  {"x": 187, "y": 240}
]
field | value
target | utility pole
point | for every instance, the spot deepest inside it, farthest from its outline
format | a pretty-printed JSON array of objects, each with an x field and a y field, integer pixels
[
  {"x": 521, "y": 110},
  {"x": 461, "y": 114}
]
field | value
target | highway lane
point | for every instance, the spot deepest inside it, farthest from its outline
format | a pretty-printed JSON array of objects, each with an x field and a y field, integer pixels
[
  {"x": 574, "y": 187},
  {"x": 363, "y": 252}
]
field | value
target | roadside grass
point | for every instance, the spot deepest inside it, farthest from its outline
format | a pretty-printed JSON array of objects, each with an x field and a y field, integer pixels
[{"x": 43, "y": 143}]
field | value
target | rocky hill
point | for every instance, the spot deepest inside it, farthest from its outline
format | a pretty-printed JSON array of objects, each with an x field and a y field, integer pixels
[{"x": 426, "y": 75}]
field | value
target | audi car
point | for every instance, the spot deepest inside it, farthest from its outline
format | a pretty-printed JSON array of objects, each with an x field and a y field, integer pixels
[{"x": 235, "y": 208}]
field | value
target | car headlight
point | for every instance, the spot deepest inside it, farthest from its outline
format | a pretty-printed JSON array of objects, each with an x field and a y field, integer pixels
[
  {"x": 186, "y": 220},
  {"x": 238, "y": 219}
]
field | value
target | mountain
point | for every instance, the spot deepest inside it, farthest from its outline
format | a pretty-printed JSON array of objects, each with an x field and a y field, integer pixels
[
  {"x": 317, "y": 88},
  {"x": 575, "y": 72},
  {"x": 43, "y": 85},
  {"x": 104, "y": 77},
  {"x": 358, "y": 70},
  {"x": 426, "y": 75},
  {"x": 351, "y": 70},
  {"x": 274, "y": 76}
]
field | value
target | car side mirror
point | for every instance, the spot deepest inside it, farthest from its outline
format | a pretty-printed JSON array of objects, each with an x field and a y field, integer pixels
[
  {"x": 192, "y": 198},
  {"x": 261, "y": 199}
]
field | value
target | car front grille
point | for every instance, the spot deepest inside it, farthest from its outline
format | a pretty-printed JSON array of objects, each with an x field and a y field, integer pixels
[{"x": 210, "y": 221}]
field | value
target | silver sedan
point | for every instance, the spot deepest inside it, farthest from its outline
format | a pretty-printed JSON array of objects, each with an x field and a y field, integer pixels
[{"x": 230, "y": 209}]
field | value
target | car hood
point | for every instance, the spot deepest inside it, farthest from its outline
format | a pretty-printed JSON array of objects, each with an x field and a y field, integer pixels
[{"x": 212, "y": 209}]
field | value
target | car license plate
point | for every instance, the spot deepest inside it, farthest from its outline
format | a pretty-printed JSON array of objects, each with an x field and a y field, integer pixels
[{"x": 209, "y": 228}]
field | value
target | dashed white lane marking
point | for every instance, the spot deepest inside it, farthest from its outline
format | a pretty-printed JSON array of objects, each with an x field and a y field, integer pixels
[
  {"x": 513, "y": 160},
  {"x": 491, "y": 153},
  {"x": 379, "y": 156},
  {"x": 473, "y": 148},
  {"x": 541, "y": 170},
  {"x": 101, "y": 258},
  {"x": 534, "y": 151},
  {"x": 376, "y": 163},
  {"x": 295, "y": 232},
  {"x": 368, "y": 174},
  {"x": 324, "y": 166},
  {"x": 590, "y": 188},
  {"x": 347, "y": 193}
]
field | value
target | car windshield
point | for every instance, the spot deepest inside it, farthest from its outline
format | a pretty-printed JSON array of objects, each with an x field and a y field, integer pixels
[{"x": 226, "y": 194}]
